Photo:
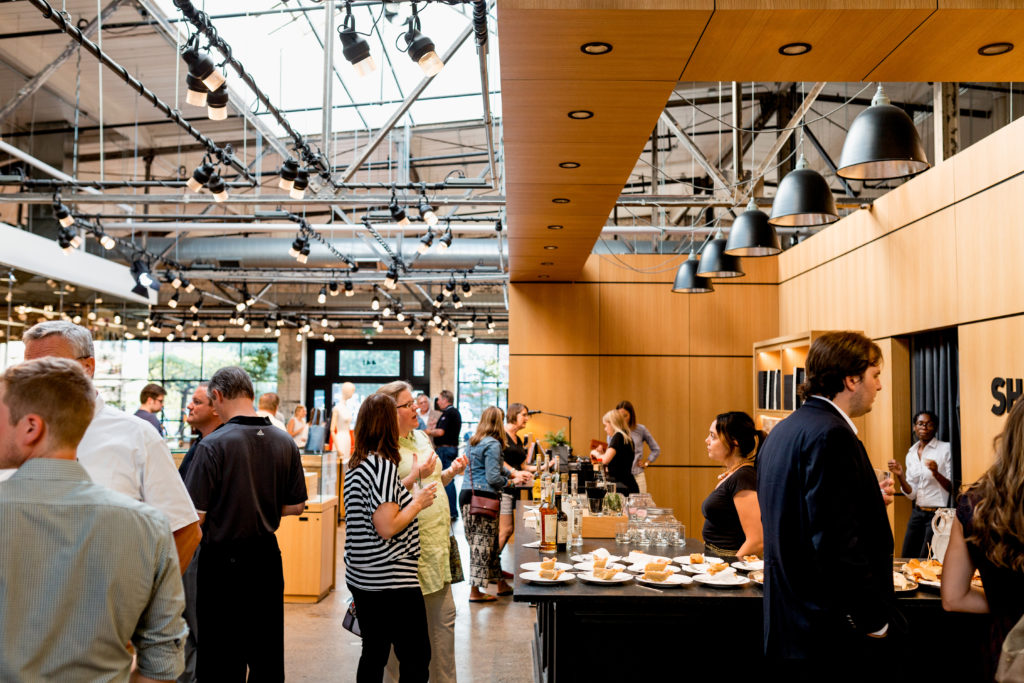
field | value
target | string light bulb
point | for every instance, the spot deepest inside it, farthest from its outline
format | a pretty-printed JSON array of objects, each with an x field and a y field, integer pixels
[
  {"x": 321, "y": 298},
  {"x": 298, "y": 190},
  {"x": 288, "y": 172},
  {"x": 354, "y": 46},
  {"x": 427, "y": 214},
  {"x": 217, "y": 104},
  {"x": 200, "y": 177},
  {"x": 421, "y": 48}
]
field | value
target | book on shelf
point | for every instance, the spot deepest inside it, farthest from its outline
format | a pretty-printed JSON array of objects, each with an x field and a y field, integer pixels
[
  {"x": 787, "y": 392},
  {"x": 762, "y": 389},
  {"x": 778, "y": 390},
  {"x": 799, "y": 376}
]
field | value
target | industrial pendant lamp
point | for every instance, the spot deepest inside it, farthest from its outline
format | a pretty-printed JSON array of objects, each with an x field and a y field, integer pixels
[
  {"x": 217, "y": 104},
  {"x": 714, "y": 262},
  {"x": 197, "y": 91},
  {"x": 201, "y": 66},
  {"x": 354, "y": 46},
  {"x": 421, "y": 48},
  {"x": 752, "y": 234},
  {"x": 882, "y": 144},
  {"x": 803, "y": 199},
  {"x": 687, "y": 281},
  {"x": 289, "y": 171}
]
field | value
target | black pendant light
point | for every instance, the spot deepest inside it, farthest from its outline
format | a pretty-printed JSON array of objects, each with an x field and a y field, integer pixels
[
  {"x": 752, "y": 234},
  {"x": 804, "y": 198},
  {"x": 687, "y": 281},
  {"x": 714, "y": 262},
  {"x": 882, "y": 144}
]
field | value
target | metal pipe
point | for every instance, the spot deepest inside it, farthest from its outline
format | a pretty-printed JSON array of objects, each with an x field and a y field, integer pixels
[
  {"x": 737, "y": 134},
  {"x": 122, "y": 73},
  {"x": 480, "y": 28},
  {"x": 328, "y": 99},
  {"x": 402, "y": 109}
]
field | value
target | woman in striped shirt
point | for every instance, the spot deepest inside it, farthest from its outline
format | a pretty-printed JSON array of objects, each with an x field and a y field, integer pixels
[{"x": 382, "y": 548}]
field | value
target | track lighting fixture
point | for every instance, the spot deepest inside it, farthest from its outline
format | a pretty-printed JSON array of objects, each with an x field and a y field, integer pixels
[
  {"x": 436, "y": 318},
  {"x": 197, "y": 91},
  {"x": 217, "y": 104},
  {"x": 446, "y": 239},
  {"x": 195, "y": 320},
  {"x": 189, "y": 287},
  {"x": 300, "y": 249},
  {"x": 176, "y": 281},
  {"x": 400, "y": 314},
  {"x": 196, "y": 305},
  {"x": 439, "y": 301},
  {"x": 467, "y": 291},
  {"x": 427, "y": 214},
  {"x": 250, "y": 300},
  {"x": 472, "y": 321},
  {"x": 408, "y": 328},
  {"x": 298, "y": 190},
  {"x": 449, "y": 288},
  {"x": 391, "y": 279},
  {"x": 324, "y": 321},
  {"x": 106, "y": 241},
  {"x": 375, "y": 303},
  {"x": 419, "y": 336},
  {"x": 173, "y": 303},
  {"x": 201, "y": 65},
  {"x": 354, "y": 46},
  {"x": 180, "y": 327},
  {"x": 200, "y": 176},
  {"x": 143, "y": 278},
  {"x": 490, "y": 325},
  {"x": 217, "y": 187},
  {"x": 288, "y": 172},
  {"x": 421, "y": 48},
  {"x": 425, "y": 242},
  {"x": 321, "y": 298},
  {"x": 349, "y": 289},
  {"x": 456, "y": 301},
  {"x": 386, "y": 311},
  {"x": 333, "y": 288},
  {"x": 397, "y": 212},
  {"x": 68, "y": 240},
  {"x": 62, "y": 214}
]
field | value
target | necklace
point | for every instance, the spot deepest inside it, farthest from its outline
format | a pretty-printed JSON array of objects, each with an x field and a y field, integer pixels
[{"x": 725, "y": 474}]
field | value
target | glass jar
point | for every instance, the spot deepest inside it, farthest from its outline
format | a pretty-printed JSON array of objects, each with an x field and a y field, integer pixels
[{"x": 660, "y": 516}]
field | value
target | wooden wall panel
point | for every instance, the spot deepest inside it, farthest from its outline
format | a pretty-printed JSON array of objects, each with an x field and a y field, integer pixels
[
  {"x": 793, "y": 302},
  {"x": 990, "y": 160},
  {"x": 640, "y": 268},
  {"x": 917, "y": 197},
  {"x": 553, "y": 319},
  {"x": 567, "y": 385},
  {"x": 729, "y": 320},
  {"x": 989, "y": 245},
  {"x": 717, "y": 385},
  {"x": 923, "y": 273},
  {"x": 642, "y": 319},
  {"x": 658, "y": 389},
  {"x": 987, "y": 350}
]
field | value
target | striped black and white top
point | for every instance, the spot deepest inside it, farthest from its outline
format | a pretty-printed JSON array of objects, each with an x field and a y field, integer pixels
[{"x": 371, "y": 563}]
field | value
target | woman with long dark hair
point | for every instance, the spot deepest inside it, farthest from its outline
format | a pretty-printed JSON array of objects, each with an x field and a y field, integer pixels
[
  {"x": 382, "y": 547},
  {"x": 732, "y": 518},
  {"x": 988, "y": 535},
  {"x": 640, "y": 435}
]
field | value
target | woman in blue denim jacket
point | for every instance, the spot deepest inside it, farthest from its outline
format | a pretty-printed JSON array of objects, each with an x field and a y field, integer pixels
[{"x": 485, "y": 476}]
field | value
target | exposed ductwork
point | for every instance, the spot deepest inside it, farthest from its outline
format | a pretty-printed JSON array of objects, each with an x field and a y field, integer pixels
[{"x": 263, "y": 252}]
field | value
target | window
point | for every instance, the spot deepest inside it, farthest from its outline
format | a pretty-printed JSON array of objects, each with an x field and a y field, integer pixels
[
  {"x": 419, "y": 362},
  {"x": 483, "y": 381},
  {"x": 320, "y": 362},
  {"x": 369, "y": 362}
]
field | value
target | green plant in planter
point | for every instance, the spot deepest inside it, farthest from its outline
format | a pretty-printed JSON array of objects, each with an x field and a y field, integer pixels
[{"x": 556, "y": 438}]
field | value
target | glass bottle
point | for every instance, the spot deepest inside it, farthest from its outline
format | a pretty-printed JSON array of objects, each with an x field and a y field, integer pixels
[
  {"x": 548, "y": 522},
  {"x": 562, "y": 528},
  {"x": 575, "y": 513},
  {"x": 545, "y": 479}
]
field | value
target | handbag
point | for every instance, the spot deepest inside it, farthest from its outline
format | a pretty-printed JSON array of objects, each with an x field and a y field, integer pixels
[
  {"x": 482, "y": 505},
  {"x": 350, "y": 622},
  {"x": 455, "y": 560},
  {"x": 1011, "y": 658}
]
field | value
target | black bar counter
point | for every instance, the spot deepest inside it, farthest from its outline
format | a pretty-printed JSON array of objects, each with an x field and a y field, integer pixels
[{"x": 587, "y": 632}]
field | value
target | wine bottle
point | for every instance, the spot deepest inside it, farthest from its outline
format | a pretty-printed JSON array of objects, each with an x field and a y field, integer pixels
[
  {"x": 575, "y": 513},
  {"x": 562, "y": 528},
  {"x": 548, "y": 522}
]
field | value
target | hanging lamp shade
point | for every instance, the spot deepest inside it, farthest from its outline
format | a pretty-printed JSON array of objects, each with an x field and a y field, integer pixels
[
  {"x": 687, "y": 280},
  {"x": 714, "y": 262},
  {"x": 752, "y": 234},
  {"x": 882, "y": 144},
  {"x": 804, "y": 198}
]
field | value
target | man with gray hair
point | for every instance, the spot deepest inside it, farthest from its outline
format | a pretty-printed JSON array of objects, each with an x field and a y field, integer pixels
[
  {"x": 121, "y": 451},
  {"x": 84, "y": 569},
  {"x": 245, "y": 476}
]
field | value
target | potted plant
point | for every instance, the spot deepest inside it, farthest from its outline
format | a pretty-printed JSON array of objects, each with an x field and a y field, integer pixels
[{"x": 559, "y": 445}]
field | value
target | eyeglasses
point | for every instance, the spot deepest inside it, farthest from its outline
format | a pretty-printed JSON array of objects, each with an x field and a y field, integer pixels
[{"x": 407, "y": 405}]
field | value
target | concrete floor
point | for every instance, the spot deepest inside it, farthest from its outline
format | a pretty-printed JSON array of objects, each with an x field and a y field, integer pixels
[{"x": 492, "y": 640}]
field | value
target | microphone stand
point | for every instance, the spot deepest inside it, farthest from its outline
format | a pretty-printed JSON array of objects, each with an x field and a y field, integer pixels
[{"x": 564, "y": 417}]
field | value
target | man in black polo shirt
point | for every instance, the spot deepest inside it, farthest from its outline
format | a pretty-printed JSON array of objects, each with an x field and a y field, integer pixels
[
  {"x": 244, "y": 477},
  {"x": 446, "y": 441}
]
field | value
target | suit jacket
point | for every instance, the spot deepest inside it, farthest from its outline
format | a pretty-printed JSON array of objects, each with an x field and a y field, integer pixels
[{"x": 827, "y": 542}]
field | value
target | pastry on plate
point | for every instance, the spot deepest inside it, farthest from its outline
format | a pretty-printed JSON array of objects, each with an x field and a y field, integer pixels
[
  {"x": 547, "y": 564},
  {"x": 605, "y": 574},
  {"x": 656, "y": 576},
  {"x": 750, "y": 559},
  {"x": 551, "y": 574},
  {"x": 696, "y": 558},
  {"x": 600, "y": 562},
  {"x": 656, "y": 566},
  {"x": 717, "y": 567}
]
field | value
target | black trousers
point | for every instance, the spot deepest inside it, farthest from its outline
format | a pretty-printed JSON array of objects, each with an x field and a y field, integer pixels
[
  {"x": 389, "y": 618},
  {"x": 919, "y": 533},
  {"x": 240, "y": 610}
]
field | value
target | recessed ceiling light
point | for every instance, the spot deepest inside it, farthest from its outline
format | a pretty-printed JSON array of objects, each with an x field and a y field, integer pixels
[
  {"x": 581, "y": 114},
  {"x": 993, "y": 49},
  {"x": 569, "y": 164},
  {"x": 547, "y": 263},
  {"x": 560, "y": 200},
  {"x": 555, "y": 227},
  {"x": 551, "y": 247},
  {"x": 794, "y": 49},
  {"x": 595, "y": 48}
]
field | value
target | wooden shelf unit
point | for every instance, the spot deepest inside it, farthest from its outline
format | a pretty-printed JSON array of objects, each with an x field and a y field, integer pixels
[
  {"x": 308, "y": 552},
  {"x": 781, "y": 353}
]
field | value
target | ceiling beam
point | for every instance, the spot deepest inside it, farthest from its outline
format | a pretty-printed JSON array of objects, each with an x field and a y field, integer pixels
[{"x": 721, "y": 184}]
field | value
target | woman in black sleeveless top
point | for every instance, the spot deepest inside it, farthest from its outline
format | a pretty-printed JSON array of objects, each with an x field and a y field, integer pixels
[{"x": 732, "y": 518}]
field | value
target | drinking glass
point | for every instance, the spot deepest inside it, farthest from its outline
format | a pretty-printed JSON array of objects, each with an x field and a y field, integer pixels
[
  {"x": 644, "y": 538},
  {"x": 596, "y": 506},
  {"x": 673, "y": 532},
  {"x": 622, "y": 532}
]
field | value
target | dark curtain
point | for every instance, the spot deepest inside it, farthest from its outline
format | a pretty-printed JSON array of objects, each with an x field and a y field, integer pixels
[{"x": 936, "y": 386}]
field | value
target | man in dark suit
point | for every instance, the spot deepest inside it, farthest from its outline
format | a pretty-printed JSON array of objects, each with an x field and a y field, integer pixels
[{"x": 828, "y": 591}]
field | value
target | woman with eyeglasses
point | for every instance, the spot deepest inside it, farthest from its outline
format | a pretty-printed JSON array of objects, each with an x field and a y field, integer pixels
[
  {"x": 382, "y": 547},
  {"x": 419, "y": 464}
]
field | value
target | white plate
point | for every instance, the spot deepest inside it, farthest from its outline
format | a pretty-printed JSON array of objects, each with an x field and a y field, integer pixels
[
  {"x": 588, "y": 557},
  {"x": 535, "y": 566},
  {"x": 639, "y": 568},
  {"x": 749, "y": 566},
  {"x": 532, "y": 544},
  {"x": 643, "y": 558},
  {"x": 719, "y": 581},
  {"x": 621, "y": 577},
  {"x": 685, "y": 560},
  {"x": 589, "y": 566},
  {"x": 534, "y": 577},
  {"x": 673, "y": 581}
]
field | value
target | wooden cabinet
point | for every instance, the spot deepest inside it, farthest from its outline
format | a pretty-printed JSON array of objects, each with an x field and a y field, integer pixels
[
  {"x": 308, "y": 550},
  {"x": 778, "y": 369}
]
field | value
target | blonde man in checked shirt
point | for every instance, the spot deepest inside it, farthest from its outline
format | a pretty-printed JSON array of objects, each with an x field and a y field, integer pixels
[{"x": 83, "y": 569}]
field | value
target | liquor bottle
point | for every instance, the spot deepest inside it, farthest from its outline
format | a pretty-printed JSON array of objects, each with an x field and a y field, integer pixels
[
  {"x": 545, "y": 479},
  {"x": 563, "y": 486},
  {"x": 562, "y": 528},
  {"x": 548, "y": 522},
  {"x": 575, "y": 514},
  {"x": 537, "y": 488}
]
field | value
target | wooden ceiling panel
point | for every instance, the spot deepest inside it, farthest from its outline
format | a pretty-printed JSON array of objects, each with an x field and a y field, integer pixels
[
  {"x": 538, "y": 110},
  {"x": 599, "y": 163},
  {"x": 647, "y": 44},
  {"x": 584, "y": 200},
  {"x": 945, "y": 47},
  {"x": 538, "y": 248},
  {"x": 535, "y": 225},
  {"x": 848, "y": 39}
]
